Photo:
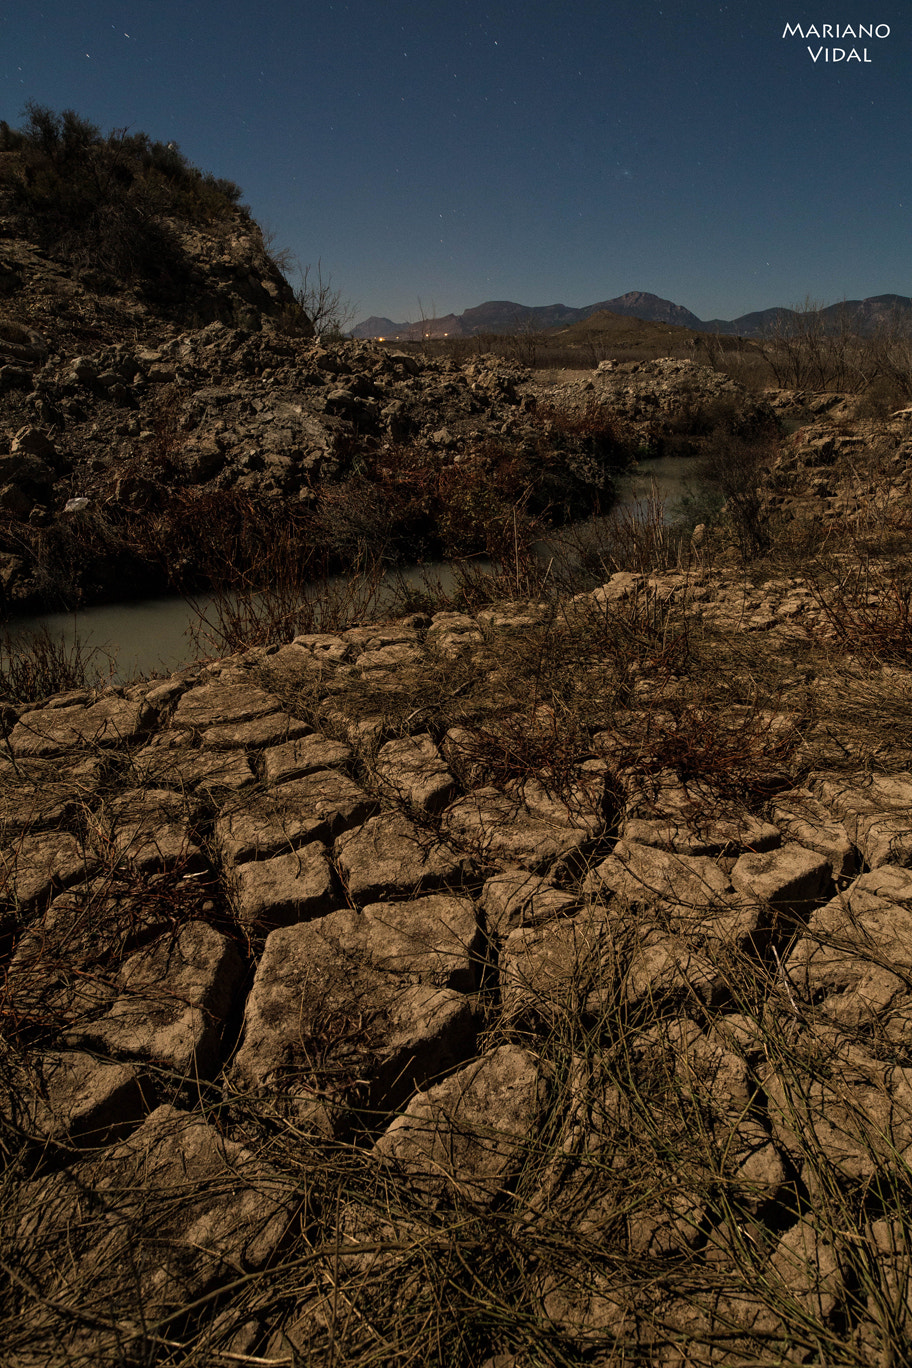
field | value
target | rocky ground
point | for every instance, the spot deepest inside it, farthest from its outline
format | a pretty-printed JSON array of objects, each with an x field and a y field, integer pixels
[
  {"x": 521, "y": 985},
  {"x": 536, "y": 979}
]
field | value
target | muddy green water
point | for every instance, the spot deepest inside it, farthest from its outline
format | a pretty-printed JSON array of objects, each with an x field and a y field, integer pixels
[{"x": 157, "y": 636}]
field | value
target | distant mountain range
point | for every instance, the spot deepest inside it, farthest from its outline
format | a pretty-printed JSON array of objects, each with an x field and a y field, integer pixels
[{"x": 503, "y": 316}]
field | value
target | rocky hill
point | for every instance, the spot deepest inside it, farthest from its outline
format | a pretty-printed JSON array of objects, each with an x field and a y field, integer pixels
[
  {"x": 498, "y": 316},
  {"x": 159, "y": 377},
  {"x": 152, "y": 356}
]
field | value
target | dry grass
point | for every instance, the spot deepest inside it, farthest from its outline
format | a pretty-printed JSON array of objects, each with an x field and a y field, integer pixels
[{"x": 35, "y": 665}]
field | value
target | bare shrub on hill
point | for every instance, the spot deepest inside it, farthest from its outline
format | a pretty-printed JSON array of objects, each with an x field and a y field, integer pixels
[{"x": 103, "y": 202}]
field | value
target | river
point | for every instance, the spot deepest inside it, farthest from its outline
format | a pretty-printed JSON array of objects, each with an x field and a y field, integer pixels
[{"x": 157, "y": 636}]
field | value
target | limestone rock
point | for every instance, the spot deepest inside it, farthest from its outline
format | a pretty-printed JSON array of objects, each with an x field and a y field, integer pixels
[
  {"x": 876, "y": 811},
  {"x": 791, "y": 879},
  {"x": 314, "y": 807},
  {"x": 303, "y": 755},
  {"x": 37, "y": 866},
  {"x": 79, "y": 1100},
  {"x": 285, "y": 889},
  {"x": 179, "y": 1211},
  {"x": 856, "y": 1114},
  {"x": 111, "y": 721},
  {"x": 412, "y": 769},
  {"x": 172, "y": 1001},
  {"x": 390, "y": 856},
  {"x": 520, "y": 898},
  {"x": 499, "y": 829},
  {"x": 560, "y": 969},
  {"x": 804, "y": 820},
  {"x": 855, "y": 960},
  {"x": 216, "y": 705},
  {"x": 464, "y": 1137},
  {"x": 644, "y": 876},
  {"x": 254, "y": 734},
  {"x": 184, "y": 768},
  {"x": 345, "y": 1016},
  {"x": 151, "y": 829}
]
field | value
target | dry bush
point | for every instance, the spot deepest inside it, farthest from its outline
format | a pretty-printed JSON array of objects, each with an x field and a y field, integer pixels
[
  {"x": 35, "y": 665},
  {"x": 868, "y": 610}
]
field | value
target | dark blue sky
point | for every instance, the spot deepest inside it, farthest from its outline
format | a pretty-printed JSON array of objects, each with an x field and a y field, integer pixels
[{"x": 454, "y": 151}]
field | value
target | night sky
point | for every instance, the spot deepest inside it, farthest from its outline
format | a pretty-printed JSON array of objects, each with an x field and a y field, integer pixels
[{"x": 434, "y": 154}]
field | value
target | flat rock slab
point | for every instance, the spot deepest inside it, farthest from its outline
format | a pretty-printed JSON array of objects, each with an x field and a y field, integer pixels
[
  {"x": 65, "y": 966},
  {"x": 412, "y": 769},
  {"x": 150, "y": 830},
  {"x": 321, "y": 646},
  {"x": 885, "y": 840},
  {"x": 668, "y": 969},
  {"x": 464, "y": 1137},
  {"x": 553, "y": 970},
  {"x": 791, "y": 879},
  {"x": 578, "y": 804},
  {"x": 499, "y": 829},
  {"x": 390, "y": 856},
  {"x": 214, "y": 705},
  {"x": 876, "y": 811},
  {"x": 74, "y": 1098},
  {"x": 521, "y": 898},
  {"x": 34, "y": 804},
  {"x": 172, "y": 1000},
  {"x": 454, "y": 634},
  {"x": 256, "y": 734},
  {"x": 179, "y": 1210},
  {"x": 803, "y": 819},
  {"x": 286, "y": 889},
  {"x": 391, "y": 657},
  {"x": 703, "y": 832},
  {"x": 304, "y": 755},
  {"x": 698, "y": 1094},
  {"x": 39, "y": 865},
  {"x": 855, "y": 961},
  {"x": 314, "y": 807},
  {"x": 644, "y": 876},
  {"x": 346, "y": 1013},
  {"x": 186, "y": 768},
  {"x": 109, "y": 722},
  {"x": 435, "y": 939},
  {"x": 513, "y": 616},
  {"x": 864, "y": 794},
  {"x": 854, "y": 1113}
]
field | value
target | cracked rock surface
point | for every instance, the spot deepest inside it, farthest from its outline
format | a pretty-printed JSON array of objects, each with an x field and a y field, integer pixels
[{"x": 613, "y": 998}]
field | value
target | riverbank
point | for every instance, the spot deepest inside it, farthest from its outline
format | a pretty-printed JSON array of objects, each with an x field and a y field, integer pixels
[
  {"x": 537, "y": 971},
  {"x": 127, "y": 641},
  {"x": 191, "y": 459}
]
